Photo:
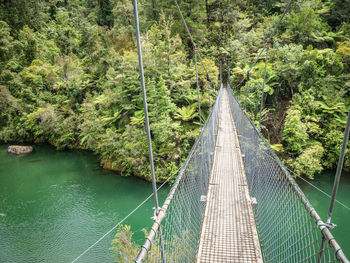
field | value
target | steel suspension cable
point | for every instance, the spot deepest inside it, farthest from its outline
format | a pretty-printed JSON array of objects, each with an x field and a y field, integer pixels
[
  {"x": 220, "y": 72},
  {"x": 195, "y": 47},
  {"x": 268, "y": 39},
  {"x": 228, "y": 72},
  {"x": 267, "y": 179},
  {"x": 336, "y": 183},
  {"x": 273, "y": 32},
  {"x": 198, "y": 95},
  {"x": 199, "y": 56},
  {"x": 318, "y": 189},
  {"x": 145, "y": 108},
  {"x": 246, "y": 92},
  {"x": 263, "y": 85},
  {"x": 125, "y": 218},
  {"x": 306, "y": 181},
  {"x": 190, "y": 35}
]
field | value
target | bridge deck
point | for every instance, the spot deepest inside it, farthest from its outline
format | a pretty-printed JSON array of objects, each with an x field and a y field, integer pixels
[{"x": 228, "y": 231}]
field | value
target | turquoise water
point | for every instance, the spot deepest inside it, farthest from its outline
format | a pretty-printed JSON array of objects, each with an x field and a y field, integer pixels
[
  {"x": 55, "y": 204},
  {"x": 320, "y": 202}
]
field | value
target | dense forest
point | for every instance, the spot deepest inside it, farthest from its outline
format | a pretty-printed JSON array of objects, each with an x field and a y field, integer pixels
[{"x": 69, "y": 76}]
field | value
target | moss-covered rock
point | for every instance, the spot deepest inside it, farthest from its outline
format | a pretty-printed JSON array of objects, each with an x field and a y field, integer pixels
[{"x": 19, "y": 150}]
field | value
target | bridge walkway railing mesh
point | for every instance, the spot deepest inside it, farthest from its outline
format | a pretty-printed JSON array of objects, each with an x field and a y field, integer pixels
[
  {"x": 289, "y": 228},
  {"x": 180, "y": 218}
]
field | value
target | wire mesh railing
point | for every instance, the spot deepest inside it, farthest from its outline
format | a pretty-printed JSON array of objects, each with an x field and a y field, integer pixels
[
  {"x": 289, "y": 228},
  {"x": 180, "y": 218}
]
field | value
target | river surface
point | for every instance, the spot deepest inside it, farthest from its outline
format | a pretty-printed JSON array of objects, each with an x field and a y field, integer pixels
[
  {"x": 55, "y": 204},
  {"x": 341, "y": 215}
]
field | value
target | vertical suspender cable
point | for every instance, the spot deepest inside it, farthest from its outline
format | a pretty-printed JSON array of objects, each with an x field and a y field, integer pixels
[
  {"x": 228, "y": 74},
  {"x": 199, "y": 100},
  {"x": 339, "y": 168},
  {"x": 246, "y": 92},
  {"x": 263, "y": 85},
  {"x": 209, "y": 95},
  {"x": 336, "y": 183},
  {"x": 147, "y": 119},
  {"x": 220, "y": 72},
  {"x": 209, "y": 82},
  {"x": 270, "y": 37},
  {"x": 213, "y": 86},
  {"x": 190, "y": 35}
]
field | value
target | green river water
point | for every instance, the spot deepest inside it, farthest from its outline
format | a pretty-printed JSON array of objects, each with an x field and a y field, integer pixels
[
  {"x": 341, "y": 215},
  {"x": 55, "y": 204}
]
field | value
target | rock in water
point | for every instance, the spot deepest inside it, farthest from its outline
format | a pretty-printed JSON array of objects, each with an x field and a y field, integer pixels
[{"x": 17, "y": 149}]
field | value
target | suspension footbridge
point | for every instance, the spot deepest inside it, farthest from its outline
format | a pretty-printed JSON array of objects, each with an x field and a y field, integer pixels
[
  {"x": 228, "y": 220},
  {"x": 233, "y": 200}
]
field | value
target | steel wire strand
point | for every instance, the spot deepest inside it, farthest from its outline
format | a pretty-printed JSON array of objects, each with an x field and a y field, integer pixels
[
  {"x": 285, "y": 218},
  {"x": 270, "y": 37},
  {"x": 318, "y": 189},
  {"x": 190, "y": 35},
  {"x": 305, "y": 180},
  {"x": 183, "y": 210},
  {"x": 126, "y": 217}
]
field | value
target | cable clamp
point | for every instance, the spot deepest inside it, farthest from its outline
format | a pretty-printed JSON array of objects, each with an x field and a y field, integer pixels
[
  {"x": 328, "y": 225},
  {"x": 155, "y": 214}
]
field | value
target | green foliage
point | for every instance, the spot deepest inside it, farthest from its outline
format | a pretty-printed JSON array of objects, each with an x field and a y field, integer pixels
[
  {"x": 295, "y": 131},
  {"x": 186, "y": 113},
  {"x": 104, "y": 15},
  {"x": 308, "y": 66},
  {"x": 69, "y": 75},
  {"x": 72, "y": 81},
  {"x": 123, "y": 247},
  {"x": 309, "y": 162},
  {"x": 126, "y": 250}
]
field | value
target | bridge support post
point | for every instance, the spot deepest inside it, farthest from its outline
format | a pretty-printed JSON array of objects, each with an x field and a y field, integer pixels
[{"x": 147, "y": 122}]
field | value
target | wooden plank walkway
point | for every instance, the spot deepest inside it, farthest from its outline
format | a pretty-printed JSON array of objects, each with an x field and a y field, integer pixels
[{"x": 228, "y": 231}]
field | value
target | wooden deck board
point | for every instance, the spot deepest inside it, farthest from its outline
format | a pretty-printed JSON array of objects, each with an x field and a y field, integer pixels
[{"x": 228, "y": 231}]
